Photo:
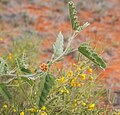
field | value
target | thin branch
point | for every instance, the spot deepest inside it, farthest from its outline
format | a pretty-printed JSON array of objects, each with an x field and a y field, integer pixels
[{"x": 30, "y": 76}]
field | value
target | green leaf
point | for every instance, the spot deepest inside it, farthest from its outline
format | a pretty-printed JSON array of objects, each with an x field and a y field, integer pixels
[
  {"x": 58, "y": 45},
  {"x": 4, "y": 68},
  {"x": 4, "y": 92},
  {"x": 29, "y": 81},
  {"x": 87, "y": 51},
  {"x": 47, "y": 81},
  {"x": 23, "y": 69}
]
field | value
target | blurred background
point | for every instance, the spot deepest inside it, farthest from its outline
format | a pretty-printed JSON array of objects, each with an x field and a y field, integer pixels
[{"x": 47, "y": 18}]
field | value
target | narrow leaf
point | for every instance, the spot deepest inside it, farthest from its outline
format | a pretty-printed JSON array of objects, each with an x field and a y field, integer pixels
[
  {"x": 23, "y": 69},
  {"x": 4, "y": 92},
  {"x": 29, "y": 81}
]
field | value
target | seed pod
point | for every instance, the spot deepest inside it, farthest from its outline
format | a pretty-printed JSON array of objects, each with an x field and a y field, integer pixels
[{"x": 73, "y": 16}]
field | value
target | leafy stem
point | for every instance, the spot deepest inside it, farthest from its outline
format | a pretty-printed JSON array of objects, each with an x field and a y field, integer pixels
[{"x": 65, "y": 51}]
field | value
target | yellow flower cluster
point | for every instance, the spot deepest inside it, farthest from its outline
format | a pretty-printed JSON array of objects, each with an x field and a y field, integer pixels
[
  {"x": 43, "y": 111},
  {"x": 64, "y": 90},
  {"x": 63, "y": 79},
  {"x": 33, "y": 110},
  {"x": 10, "y": 56},
  {"x": 70, "y": 73},
  {"x": 83, "y": 76},
  {"x": 22, "y": 113},
  {"x": 74, "y": 78},
  {"x": 91, "y": 106},
  {"x": 74, "y": 83},
  {"x": 43, "y": 108}
]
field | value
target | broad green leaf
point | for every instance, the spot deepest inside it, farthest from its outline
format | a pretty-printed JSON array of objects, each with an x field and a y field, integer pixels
[
  {"x": 47, "y": 81},
  {"x": 4, "y": 92},
  {"x": 58, "y": 45},
  {"x": 87, "y": 51}
]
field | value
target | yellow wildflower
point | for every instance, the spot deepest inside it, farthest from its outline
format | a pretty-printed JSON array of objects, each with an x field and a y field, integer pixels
[
  {"x": 32, "y": 110},
  {"x": 1, "y": 39},
  {"x": 83, "y": 104},
  {"x": 83, "y": 76},
  {"x": 72, "y": 84},
  {"x": 10, "y": 57},
  {"x": 78, "y": 69},
  {"x": 78, "y": 84},
  {"x": 75, "y": 104},
  {"x": 43, "y": 108},
  {"x": 14, "y": 110},
  {"x": 91, "y": 78},
  {"x": 70, "y": 74},
  {"x": 22, "y": 113},
  {"x": 74, "y": 65},
  {"x": 83, "y": 66},
  {"x": 91, "y": 107},
  {"x": 67, "y": 91},
  {"x": 63, "y": 79},
  {"x": 37, "y": 110},
  {"x": 114, "y": 113},
  {"x": 78, "y": 75},
  {"x": 5, "y": 106},
  {"x": 75, "y": 100},
  {"x": 90, "y": 70},
  {"x": 62, "y": 91},
  {"x": 43, "y": 113},
  {"x": 74, "y": 79}
]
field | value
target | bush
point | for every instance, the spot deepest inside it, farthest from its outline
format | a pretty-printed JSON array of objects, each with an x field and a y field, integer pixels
[{"x": 42, "y": 91}]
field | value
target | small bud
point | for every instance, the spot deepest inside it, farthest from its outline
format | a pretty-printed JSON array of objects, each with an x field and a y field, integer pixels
[
  {"x": 44, "y": 67},
  {"x": 5, "y": 106},
  {"x": 85, "y": 25}
]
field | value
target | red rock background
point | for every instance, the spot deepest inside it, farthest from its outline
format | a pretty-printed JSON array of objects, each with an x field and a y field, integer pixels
[{"x": 48, "y": 17}]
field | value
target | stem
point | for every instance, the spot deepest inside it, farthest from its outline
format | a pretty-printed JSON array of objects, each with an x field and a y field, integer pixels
[{"x": 30, "y": 76}]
